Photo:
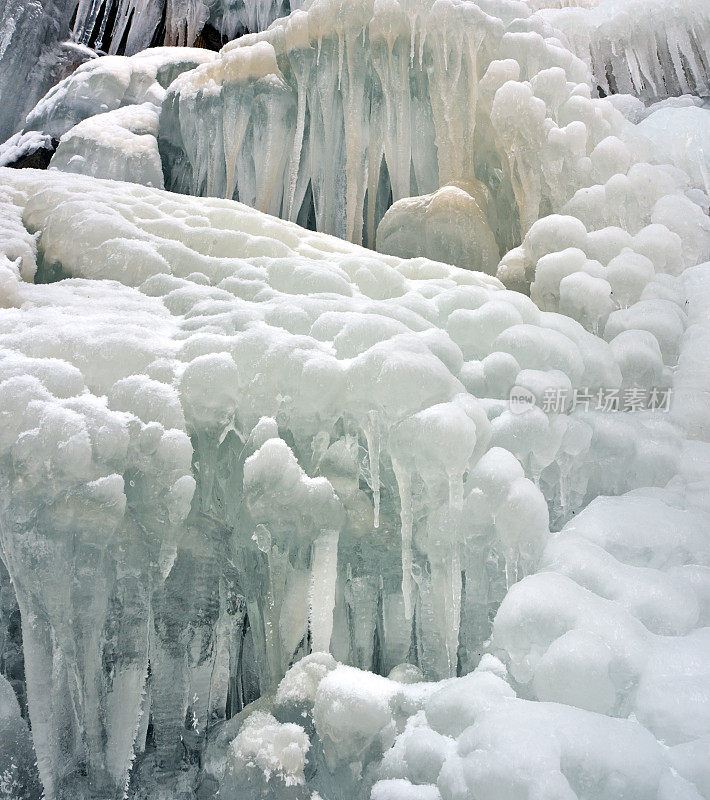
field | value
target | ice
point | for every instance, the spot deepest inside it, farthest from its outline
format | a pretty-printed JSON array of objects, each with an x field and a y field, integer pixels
[
  {"x": 682, "y": 134},
  {"x": 231, "y": 312},
  {"x": 469, "y": 137},
  {"x": 18, "y": 775},
  {"x": 120, "y": 144},
  {"x": 266, "y": 757},
  {"x": 248, "y": 469},
  {"x": 650, "y": 49},
  {"x": 109, "y": 83},
  {"x": 468, "y": 737},
  {"x": 259, "y": 528},
  {"x": 393, "y": 120},
  {"x": 127, "y": 26},
  {"x": 449, "y": 224},
  {"x": 33, "y": 56},
  {"x": 611, "y": 596},
  {"x": 43, "y": 42}
]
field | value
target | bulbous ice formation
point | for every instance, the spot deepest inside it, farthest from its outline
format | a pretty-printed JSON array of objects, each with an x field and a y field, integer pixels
[
  {"x": 360, "y": 482},
  {"x": 450, "y": 224}
]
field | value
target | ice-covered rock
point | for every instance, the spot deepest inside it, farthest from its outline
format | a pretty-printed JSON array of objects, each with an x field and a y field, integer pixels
[
  {"x": 119, "y": 144},
  {"x": 34, "y": 55},
  {"x": 109, "y": 83},
  {"x": 22, "y": 149},
  {"x": 450, "y": 225}
]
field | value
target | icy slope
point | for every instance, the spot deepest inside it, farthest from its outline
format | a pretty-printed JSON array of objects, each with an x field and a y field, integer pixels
[{"x": 199, "y": 350}]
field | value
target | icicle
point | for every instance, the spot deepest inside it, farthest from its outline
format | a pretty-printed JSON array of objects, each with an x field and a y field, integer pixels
[
  {"x": 456, "y": 490},
  {"x": 297, "y": 145},
  {"x": 372, "y": 434},
  {"x": 321, "y": 600},
  {"x": 412, "y": 38},
  {"x": 404, "y": 485}
]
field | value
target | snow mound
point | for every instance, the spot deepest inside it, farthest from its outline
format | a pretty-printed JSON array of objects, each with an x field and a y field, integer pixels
[
  {"x": 371, "y": 737},
  {"x": 109, "y": 83},
  {"x": 119, "y": 144}
]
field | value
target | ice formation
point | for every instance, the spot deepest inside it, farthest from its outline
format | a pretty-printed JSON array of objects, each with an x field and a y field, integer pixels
[
  {"x": 120, "y": 144},
  {"x": 404, "y": 99},
  {"x": 326, "y": 364},
  {"x": 34, "y": 55},
  {"x": 43, "y": 42},
  {"x": 650, "y": 49},
  {"x": 367, "y": 736},
  {"x": 248, "y": 469},
  {"x": 110, "y": 83},
  {"x": 18, "y": 779}
]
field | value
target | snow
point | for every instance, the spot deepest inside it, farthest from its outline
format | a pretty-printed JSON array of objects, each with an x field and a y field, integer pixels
[
  {"x": 110, "y": 83},
  {"x": 23, "y": 144},
  {"x": 120, "y": 145},
  {"x": 472, "y": 737}
]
